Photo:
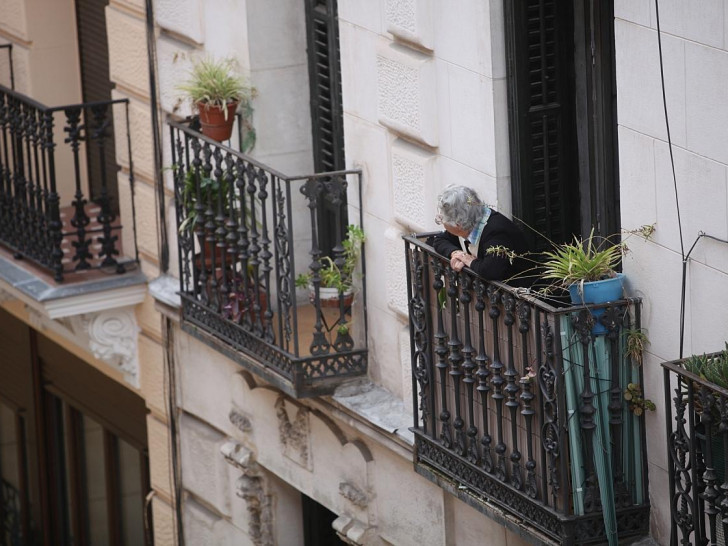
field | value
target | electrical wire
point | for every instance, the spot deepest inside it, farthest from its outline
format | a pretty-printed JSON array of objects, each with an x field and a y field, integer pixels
[{"x": 674, "y": 181}]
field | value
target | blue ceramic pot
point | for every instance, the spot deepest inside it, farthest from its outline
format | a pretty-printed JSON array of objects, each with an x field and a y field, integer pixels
[{"x": 596, "y": 292}]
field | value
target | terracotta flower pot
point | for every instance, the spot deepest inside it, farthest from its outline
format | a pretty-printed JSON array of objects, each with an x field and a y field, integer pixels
[{"x": 213, "y": 122}]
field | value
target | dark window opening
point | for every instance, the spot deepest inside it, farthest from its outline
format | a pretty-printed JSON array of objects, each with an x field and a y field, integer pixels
[
  {"x": 562, "y": 113},
  {"x": 317, "y": 520}
]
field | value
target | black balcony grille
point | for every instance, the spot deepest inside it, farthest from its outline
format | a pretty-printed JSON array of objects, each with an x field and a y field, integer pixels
[
  {"x": 240, "y": 226},
  {"x": 519, "y": 405},
  {"x": 697, "y": 437},
  {"x": 61, "y": 233}
]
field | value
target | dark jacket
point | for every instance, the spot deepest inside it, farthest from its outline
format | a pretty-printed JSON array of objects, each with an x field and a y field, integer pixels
[{"x": 499, "y": 231}]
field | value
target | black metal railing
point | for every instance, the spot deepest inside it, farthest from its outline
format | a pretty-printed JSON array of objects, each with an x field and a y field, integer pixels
[
  {"x": 241, "y": 228},
  {"x": 61, "y": 233},
  {"x": 697, "y": 437},
  {"x": 519, "y": 405}
]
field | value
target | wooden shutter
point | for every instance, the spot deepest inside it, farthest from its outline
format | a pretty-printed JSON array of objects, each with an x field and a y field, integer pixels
[
  {"x": 325, "y": 83},
  {"x": 93, "y": 52},
  {"x": 327, "y": 115},
  {"x": 539, "y": 45}
]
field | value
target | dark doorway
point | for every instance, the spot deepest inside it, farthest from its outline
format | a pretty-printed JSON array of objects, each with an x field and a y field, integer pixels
[
  {"x": 317, "y": 520},
  {"x": 96, "y": 86},
  {"x": 327, "y": 118},
  {"x": 563, "y": 117}
]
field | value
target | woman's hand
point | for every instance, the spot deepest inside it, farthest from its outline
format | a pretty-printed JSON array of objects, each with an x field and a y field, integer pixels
[{"x": 460, "y": 259}]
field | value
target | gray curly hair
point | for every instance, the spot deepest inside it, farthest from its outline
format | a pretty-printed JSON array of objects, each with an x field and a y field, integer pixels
[{"x": 460, "y": 206}]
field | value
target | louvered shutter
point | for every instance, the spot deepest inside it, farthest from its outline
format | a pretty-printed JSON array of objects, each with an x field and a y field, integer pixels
[
  {"x": 96, "y": 86},
  {"x": 327, "y": 120},
  {"x": 542, "y": 129}
]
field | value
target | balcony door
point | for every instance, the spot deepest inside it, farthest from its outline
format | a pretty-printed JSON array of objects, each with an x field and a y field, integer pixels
[
  {"x": 562, "y": 113},
  {"x": 327, "y": 118},
  {"x": 93, "y": 52}
]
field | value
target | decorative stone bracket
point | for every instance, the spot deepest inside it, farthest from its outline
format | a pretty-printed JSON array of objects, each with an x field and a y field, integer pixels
[
  {"x": 111, "y": 336},
  {"x": 251, "y": 488}
]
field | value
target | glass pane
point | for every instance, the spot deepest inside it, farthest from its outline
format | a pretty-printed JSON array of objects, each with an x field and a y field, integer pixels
[
  {"x": 96, "y": 495},
  {"x": 132, "y": 496}
]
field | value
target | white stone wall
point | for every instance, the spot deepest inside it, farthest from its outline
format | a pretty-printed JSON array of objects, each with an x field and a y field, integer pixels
[
  {"x": 424, "y": 95},
  {"x": 695, "y": 49}
]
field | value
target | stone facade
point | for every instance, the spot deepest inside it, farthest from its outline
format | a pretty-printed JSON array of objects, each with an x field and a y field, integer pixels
[{"x": 424, "y": 105}]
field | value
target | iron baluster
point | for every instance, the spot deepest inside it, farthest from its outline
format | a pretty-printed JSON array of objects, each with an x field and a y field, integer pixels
[
  {"x": 180, "y": 159},
  {"x": 254, "y": 248},
  {"x": 468, "y": 368},
  {"x": 265, "y": 256},
  {"x": 55, "y": 228},
  {"x": 102, "y": 121},
  {"x": 199, "y": 222},
  {"x": 583, "y": 323},
  {"x": 312, "y": 190},
  {"x": 242, "y": 234},
  {"x": 17, "y": 130},
  {"x": 497, "y": 369},
  {"x": 723, "y": 431},
  {"x": 420, "y": 335},
  {"x": 550, "y": 430},
  {"x": 232, "y": 287},
  {"x": 75, "y": 130},
  {"x": 210, "y": 198},
  {"x": 512, "y": 389},
  {"x": 483, "y": 373},
  {"x": 337, "y": 192},
  {"x": 6, "y": 191},
  {"x": 456, "y": 359},
  {"x": 523, "y": 310},
  {"x": 33, "y": 236},
  {"x": 709, "y": 477},
  {"x": 441, "y": 351},
  {"x": 612, "y": 319},
  {"x": 220, "y": 285}
]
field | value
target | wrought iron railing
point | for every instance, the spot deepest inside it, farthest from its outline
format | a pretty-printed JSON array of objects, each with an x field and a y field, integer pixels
[
  {"x": 61, "y": 233},
  {"x": 519, "y": 404},
  {"x": 242, "y": 227},
  {"x": 697, "y": 436}
]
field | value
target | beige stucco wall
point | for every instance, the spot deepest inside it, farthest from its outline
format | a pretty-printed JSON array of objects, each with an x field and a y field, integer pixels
[{"x": 424, "y": 106}]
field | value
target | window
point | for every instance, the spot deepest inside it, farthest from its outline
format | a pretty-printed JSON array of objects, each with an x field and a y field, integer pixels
[
  {"x": 73, "y": 454},
  {"x": 562, "y": 113}
]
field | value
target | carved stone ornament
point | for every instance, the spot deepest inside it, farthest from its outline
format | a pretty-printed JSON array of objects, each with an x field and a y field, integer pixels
[
  {"x": 111, "y": 336},
  {"x": 240, "y": 420},
  {"x": 294, "y": 436},
  {"x": 251, "y": 488},
  {"x": 353, "y": 494}
]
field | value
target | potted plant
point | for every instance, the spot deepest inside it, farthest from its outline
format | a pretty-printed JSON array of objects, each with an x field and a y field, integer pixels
[
  {"x": 335, "y": 280},
  {"x": 216, "y": 91}
]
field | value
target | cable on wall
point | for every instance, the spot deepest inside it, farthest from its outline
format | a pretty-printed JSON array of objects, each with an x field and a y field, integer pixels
[{"x": 685, "y": 257}]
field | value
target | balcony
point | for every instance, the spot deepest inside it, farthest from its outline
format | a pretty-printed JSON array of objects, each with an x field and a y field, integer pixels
[
  {"x": 697, "y": 436},
  {"x": 48, "y": 214},
  {"x": 242, "y": 229},
  {"x": 518, "y": 405}
]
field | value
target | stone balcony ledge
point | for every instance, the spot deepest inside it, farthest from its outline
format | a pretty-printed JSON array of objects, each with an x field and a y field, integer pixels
[{"x": 100, "y": 292}]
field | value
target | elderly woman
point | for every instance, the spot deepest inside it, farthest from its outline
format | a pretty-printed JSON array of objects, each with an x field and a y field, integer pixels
[{"x": 471, "y": 227}]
